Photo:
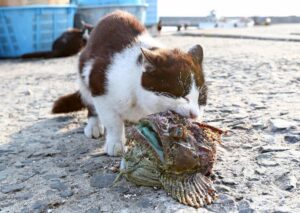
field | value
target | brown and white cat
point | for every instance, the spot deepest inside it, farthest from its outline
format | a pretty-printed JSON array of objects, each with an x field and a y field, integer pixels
[
  {"x": 67, "y": 44},
  {"x": 124, "y": 74}
]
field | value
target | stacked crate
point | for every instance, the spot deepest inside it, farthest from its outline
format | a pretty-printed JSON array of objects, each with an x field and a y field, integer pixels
[
  {"x": 32, "y": 27},
  {"x": 31, "y": 2},
  {"x": 91, "y": 11}
]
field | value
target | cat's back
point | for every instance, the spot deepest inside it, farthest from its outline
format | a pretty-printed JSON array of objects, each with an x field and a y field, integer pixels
[{"x": 113, "y": 33}]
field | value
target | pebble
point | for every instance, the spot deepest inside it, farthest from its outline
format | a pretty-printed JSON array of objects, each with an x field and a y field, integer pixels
[
  {"x": 266, "y": 159},
  {"x": 260, "y": 171},
  {"x": 11, "y": 188},
  {"x": 287, "y": 181},
  {"x": 144, "y": 203},
  {"x": 259, "y": 124},
  {"x": 102, "y": 180},
  {"x": 225, "y": 204},
  {"x": 292, "y": 138},
  {"x": 3, "y": 176},
  {"x": 56, "y": 184},
  {"x": 272, "y": 148},
  {"x": 222, "y": 188},
  {"x": 24, "y": 196},
  {"x": 25, "y": 210},
  {"x": 93, "y": 210},
  {"x": 39, "y": 206},
  {"x": 66, "y": 193},
  {"x": 2, "y": 167},
  {"x": 282, "y": 209},
  {"x": 228, "y": 181},
  {"x": 249, "y": 210},
  {"x": 280, "y": 124}
]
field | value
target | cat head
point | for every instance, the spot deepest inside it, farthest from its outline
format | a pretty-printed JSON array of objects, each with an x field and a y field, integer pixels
[
  {"x": 86, "y": 30},
  {"x": 177, "y": 78}
]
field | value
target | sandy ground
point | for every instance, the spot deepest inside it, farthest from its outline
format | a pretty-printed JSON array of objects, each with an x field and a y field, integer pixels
[{"x": 47, "y": 164}]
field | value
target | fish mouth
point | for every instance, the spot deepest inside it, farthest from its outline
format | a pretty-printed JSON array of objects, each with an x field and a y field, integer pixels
[
  {"x": 194, "y": 190},
  {"x": 152, "y": 138}
]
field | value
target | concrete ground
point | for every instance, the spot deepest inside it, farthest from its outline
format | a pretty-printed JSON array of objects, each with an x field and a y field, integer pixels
[{"x": 48, "y": 165}]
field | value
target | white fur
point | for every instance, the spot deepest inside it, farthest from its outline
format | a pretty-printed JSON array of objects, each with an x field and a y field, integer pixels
[
  {"x": 126, "y": 99},
  {"x": 86, "y": 34},
  {"x": 93, "y": 129},
  {"x": 86, "y": 71}
]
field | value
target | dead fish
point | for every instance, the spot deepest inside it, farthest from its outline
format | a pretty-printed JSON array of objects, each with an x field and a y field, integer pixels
[{"x": 175, "y": 153}]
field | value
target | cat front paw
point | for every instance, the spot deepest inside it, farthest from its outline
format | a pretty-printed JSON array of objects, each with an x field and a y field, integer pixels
[
  {"x": 114, "y": 149},
  {"x": 93, "y": 129}
]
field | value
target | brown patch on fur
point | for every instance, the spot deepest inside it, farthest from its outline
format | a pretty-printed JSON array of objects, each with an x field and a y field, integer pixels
[
  {"x": 111, "y": 35},
  {"x": 169, "y": 72},
  {"x": 68, "y": 103},
  {"x": 202, "y": 100}
]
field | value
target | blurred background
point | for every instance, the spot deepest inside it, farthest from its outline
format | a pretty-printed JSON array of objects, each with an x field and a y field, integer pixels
[{"x": 33, "y": 25}]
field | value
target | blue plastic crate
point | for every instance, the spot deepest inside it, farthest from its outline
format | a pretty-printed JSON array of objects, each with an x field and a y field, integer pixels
[
  {"x": 107, "y": 2},
  {"x": 151, "y": 13},
  {"x": 93, "y": 13},
  {"x": 32, "y": 28}
]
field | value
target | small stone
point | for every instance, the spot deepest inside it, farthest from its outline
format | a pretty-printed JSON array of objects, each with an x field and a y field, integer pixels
[
  {"x": 228, "y": 181},
  {"x": 2, "y": 167},
  {"x": 93, "y": 210},
  {"x": 268, "y": 138},
  {"x": 97, "y": 154},
  {"x": 250, "y": 210},
  {"x": 25, "y": 210},
  {"x": 282, "y": 209},
  {"x": 247, "y": 146},
  {"x": 24, "y": 196},
  {"x": 11, "y": 188},
  {"x": 245, "y": 207},
  {"x": 66, "y": 193},
  {"x": 287, "y": 181},
  {"x": 224, "y": 204},
  {"x": 222, "y": 188},
  {"x": 266, "y": 159},
  {"x": 259, "y": 124},
  {"x": 39, "y": 206},
  {"x": 144, "y": 203},
  {"x": 260, "y": 171},
  {"x": 292, "y": 138},
  {"x": 26, "y": 176},
  {"x": 56, "y": 184},
  {"x": 280, "y": 124},
  {"x": 272, "y": 148},
  {"x": 102, "y": 180},
  {"x": 113, "y": 169},
  {"x": 3, "y": 176},
  {"x": 27, "y": 92},
  {"x": 244, "y": 204}
]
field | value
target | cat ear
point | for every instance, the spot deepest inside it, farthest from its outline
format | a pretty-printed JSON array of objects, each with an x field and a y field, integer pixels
[
  {"x": 87, "y": 26},
  {"x": 197, "y": 53},
  {"x": 148, "y": 59}
]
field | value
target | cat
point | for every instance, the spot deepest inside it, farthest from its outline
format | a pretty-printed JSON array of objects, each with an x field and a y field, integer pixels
[
  {"x": 124, "y": 74},
  {"x": 68, "y": 44}
]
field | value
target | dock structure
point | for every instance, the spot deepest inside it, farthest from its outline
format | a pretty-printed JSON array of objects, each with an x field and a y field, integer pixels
[{"x": 175, "y": 21}]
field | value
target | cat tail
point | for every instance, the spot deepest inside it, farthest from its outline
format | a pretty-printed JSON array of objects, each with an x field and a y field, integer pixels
[
  {"x": 46, "y": 54},
  {"x": 68, "y": 103}
]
